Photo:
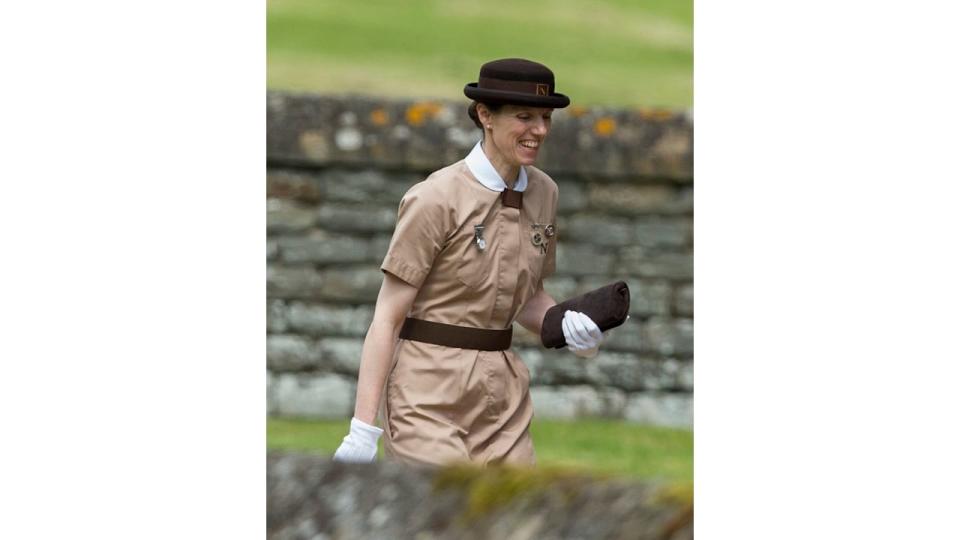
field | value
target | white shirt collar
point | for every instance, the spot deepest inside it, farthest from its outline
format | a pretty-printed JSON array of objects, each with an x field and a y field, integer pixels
[{"x": 483, "y": 170}]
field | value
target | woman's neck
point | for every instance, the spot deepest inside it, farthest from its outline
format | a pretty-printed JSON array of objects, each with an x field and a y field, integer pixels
[{"x": 507, "y": 171}]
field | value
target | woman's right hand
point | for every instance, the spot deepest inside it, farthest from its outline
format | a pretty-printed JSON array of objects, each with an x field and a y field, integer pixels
[
  {"x": 582, "y": 334},
  {"x": 360, "y": 445}
]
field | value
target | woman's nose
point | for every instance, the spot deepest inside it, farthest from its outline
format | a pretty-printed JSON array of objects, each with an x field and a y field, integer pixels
[{"x": 540, "y": 127}]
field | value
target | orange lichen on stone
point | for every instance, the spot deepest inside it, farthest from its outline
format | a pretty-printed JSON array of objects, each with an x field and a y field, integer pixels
[
  {"x": 605, "y": 126},
  {"x": 420, "y": 112},
  {"x": 577, "y": 111},
  {"x": 657, "y": 115},
  {"x": 379, "y": 117}
]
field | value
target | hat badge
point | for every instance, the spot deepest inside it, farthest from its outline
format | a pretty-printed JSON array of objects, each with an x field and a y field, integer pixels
[{"x": 543, "y": 90}]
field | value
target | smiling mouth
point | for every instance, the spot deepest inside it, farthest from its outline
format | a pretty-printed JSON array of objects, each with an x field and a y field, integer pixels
[{"x": 530, "y": 144}]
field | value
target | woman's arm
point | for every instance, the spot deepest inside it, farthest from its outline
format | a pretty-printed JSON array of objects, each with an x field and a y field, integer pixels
[
  {"x": 531, "y": 316},
  {"x": 393, "y": 304}
]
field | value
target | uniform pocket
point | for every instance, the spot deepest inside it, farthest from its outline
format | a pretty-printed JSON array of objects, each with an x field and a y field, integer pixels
[
  {"x": 389, "y": 395},
  {"x": 496, "y": 374},
  {"x": 535, "y": 261},
  {"x": 475, "y": 263},
  {"x": 524, "y": 372},
  {"x": 534, "y": 254}
]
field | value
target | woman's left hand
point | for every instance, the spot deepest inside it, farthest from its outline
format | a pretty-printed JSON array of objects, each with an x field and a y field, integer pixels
[{"x": 582, "y": 334}]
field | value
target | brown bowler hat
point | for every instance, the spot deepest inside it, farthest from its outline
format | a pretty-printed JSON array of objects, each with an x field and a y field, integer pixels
[{"x": 518, "y": 82}]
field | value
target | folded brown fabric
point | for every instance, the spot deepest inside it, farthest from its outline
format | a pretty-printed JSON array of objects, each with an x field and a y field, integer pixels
[{"x": 608, "y": 306}]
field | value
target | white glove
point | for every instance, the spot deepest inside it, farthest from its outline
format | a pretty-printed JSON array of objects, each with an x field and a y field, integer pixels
[
  {"x": 582, "y": 334},
  {"x": 360, "y": 445}
]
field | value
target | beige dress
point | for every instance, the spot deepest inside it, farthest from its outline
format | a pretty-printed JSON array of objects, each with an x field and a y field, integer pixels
[{"x": 444, "y": 404}]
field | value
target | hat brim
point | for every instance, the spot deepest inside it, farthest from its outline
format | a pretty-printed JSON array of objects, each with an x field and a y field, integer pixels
[{"x": 503, "y": 97}]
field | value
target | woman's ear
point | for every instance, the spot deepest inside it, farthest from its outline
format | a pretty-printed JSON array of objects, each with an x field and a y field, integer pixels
[{"x": 483, "y": 113}]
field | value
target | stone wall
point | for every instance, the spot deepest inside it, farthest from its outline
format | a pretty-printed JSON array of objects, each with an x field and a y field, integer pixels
[
  {"x": 311, "y": 498},
  {"x": 337, "y": 168}
]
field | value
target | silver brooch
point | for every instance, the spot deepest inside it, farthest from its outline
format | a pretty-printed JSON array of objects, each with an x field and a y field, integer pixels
[{"x": 478, "y": 237}]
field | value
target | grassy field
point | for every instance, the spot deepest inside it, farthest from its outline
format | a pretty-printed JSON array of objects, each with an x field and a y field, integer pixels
[
  {"x": 593, "y": 445},
  {"x": 610, "y": 52}
]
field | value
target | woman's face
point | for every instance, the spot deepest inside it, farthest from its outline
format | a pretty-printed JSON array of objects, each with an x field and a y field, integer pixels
[{"x": 517, "y": 131}]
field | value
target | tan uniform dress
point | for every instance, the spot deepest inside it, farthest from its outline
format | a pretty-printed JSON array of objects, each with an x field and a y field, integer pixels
[{"x": 445, "y": 404}]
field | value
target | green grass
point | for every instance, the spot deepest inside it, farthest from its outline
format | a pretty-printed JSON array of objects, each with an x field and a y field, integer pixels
[
  {"x": 592, "y": 445},
  {"x": 623, "y": 53}
]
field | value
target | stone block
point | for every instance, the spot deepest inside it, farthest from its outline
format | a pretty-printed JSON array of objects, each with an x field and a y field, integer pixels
[
  {"x": 666, "y": 151},
  {"x": 626, "y": 337},
  {"x": 326, "y": 320},
  {"x": 286, "y": 352},
  {"x": 632, "y": 373},
  {"x": 353, "y": 284},
  {"x": 273, "y": 250},
  {"x": 683, "y": 301},
  {"x": 291, "y": 282},
  {"x": 571, "y": 402},
  {"x": 631, "y": 199},
  {"x": 609, "y": 369},
  {"x": 298, "y": 128},
  {"x": 562, "y": 367},
  {"x": 620, "y": 370},
  {"x": 398, "y": 183},
  {"x": 357, "y": 218},
  {"x": 599, "y": 230},
  {"x": 649, "y": 297},
  {"x": 311, "y": 395},
  {"x": 571, "y": 196},
  {"x": 668, "y": 337},
  {"x": 685, "y": 376},
  {"x": 271, "y": 395},
  {"x": 461, "y": 141},
  {"x": 427, "y": 150},
  {"x": 365, "y": 186},
  {"x": 325, "y": 249},
  {"x": 533, "y": 358},
  {"x": 294, "y": 185},
  {"x": 560, "y": 288},
  {"x": 378, "y": 248},
  {"x": 284, "y": 216},
  {"x": 583, "y": 259},
  {"x": 662, "y": 232},
  {"x": 276, "y": 316},
  {"x": 341, "y": 354},
  {"x": 636, "y": 261},
  {"x": 661, "y": 409},
  {"x": 351, "y": 186}
]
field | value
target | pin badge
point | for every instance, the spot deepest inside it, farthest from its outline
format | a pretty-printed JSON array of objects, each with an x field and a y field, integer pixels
[
  {"x": 538, "y": 239},
  {"x": 550, "y": 231},
  {"x": 478, "y": 237}
]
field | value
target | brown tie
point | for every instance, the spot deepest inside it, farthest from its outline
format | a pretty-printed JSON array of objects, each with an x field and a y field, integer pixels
[{"x": 511, "y": 198}]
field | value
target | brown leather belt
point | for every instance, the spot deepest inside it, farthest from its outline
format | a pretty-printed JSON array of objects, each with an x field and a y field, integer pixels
[{"x": 461, "y": 337}]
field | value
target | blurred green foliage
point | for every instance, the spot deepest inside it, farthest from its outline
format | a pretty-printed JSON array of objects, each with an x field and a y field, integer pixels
[
  {"x": 603, "y": 52},
  {"x": 595, "y": 446}
]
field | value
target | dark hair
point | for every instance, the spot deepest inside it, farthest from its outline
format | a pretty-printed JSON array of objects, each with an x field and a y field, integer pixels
[{"x": 472, "y": 111}]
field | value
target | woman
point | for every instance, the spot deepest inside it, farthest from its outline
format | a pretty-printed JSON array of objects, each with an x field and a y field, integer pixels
[{"x": 472, "y": 245}]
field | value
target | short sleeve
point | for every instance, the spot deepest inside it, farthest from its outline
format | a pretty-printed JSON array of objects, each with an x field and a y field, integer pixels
[{"x": 420, "y": 234}]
